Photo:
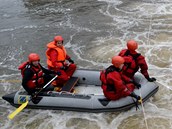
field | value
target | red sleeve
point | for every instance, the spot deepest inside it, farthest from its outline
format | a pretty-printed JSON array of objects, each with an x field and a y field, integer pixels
[
  {"x": 120, "y": 87},
  {"x": 116, "y": 80},
  {"x": 122, "y": 52},
  {"x": 143, "y": 66},
  {"x": 67, "y": 57},
  {"x": 125, "y": 78}
]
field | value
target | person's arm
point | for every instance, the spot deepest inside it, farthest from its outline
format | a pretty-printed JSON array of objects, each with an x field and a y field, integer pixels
[
  {"x": 50, "y": 72},
  {"x": 125, "y": 78},
  {"x": 115, "y": 79},
  {"x": 144, "y": 69},
  {"x": 69, "y": 59},
  {"x": 27, "y": 76},
  {"x": 143, "y": 66},
  {"x": 47, "y": 71},
  {"x": 121, "y": 88},
  {"x": 122, "y": 52}
]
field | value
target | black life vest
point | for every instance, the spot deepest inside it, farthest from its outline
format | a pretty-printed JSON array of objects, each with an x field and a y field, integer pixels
[{"x": 131, "y": 67}]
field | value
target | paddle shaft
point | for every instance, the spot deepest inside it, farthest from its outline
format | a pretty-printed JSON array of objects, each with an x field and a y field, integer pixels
[
  {"x": 46, "y": 85},
  {"x": 19, "y": 109}
]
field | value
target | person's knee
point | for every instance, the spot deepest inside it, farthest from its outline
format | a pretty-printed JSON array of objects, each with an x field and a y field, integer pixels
[
  {"x": 73, "y": 66},
  {"x": 64, "y": 78}
]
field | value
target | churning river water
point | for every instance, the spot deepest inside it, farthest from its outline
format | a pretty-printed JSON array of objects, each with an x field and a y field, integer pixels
[{"x": 93, "y": 31}]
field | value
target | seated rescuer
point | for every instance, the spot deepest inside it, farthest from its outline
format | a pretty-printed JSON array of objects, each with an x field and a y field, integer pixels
[
  {"x": 56, "y": 57},
  {"x": 113, "y": 86},
  {"x": 34, "y": 75},
  {"x": 134, "y": 61}
]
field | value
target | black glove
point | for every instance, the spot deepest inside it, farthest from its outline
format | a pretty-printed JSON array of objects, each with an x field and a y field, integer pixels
[
  {"x": 138, "y": 98},
  {"x": 136, "y": 84},
  {"x": 152, "y": 79},
  {"x": 71, "y": 61},
  {"x": 58, "y": 73}
]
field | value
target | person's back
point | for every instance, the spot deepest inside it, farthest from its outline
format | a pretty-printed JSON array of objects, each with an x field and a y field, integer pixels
[
  {"x": 134, "y": 61},
  {"x": 113, "y": 86}
]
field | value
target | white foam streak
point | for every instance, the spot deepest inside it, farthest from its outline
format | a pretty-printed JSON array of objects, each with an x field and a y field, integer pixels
[
  {"x": 10, "y": 75},
  {"x": 114, "y": 2},
  {"x": 18, "y": 28}
]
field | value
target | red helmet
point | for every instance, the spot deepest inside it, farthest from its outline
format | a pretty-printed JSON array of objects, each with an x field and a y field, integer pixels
[
  {"x": 33, "y": 57},
  {"x": 132, "y": 45},
  {"x": 117, "y": 61},
  {"x": 58, "y": 38}
]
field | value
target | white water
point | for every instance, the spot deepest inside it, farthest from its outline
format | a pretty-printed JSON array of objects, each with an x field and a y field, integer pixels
[{"x": 148, "y": 22}]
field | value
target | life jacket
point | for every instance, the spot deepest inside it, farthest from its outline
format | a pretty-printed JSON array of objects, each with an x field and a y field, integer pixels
[
  {"x": 117, "y": 90},
  {"x": 103, "y": 78},
  {"x": 132, "y": 66},
  {"x": 37, "y": 80},
  {"x": 61, "y": 54}
]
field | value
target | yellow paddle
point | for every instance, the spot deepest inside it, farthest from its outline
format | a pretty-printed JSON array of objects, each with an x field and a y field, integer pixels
[
  {"x": 19, "y": 109},
  {"x": 12, "y": 115}
]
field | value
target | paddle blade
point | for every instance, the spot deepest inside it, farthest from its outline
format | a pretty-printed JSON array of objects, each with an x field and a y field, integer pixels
[{"x": 13, "y": 114}]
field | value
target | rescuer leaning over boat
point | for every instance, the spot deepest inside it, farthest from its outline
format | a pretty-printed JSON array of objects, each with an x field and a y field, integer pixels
[{"x": 134, "y": 61}]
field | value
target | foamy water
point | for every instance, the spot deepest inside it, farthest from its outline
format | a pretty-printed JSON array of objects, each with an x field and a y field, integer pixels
[{"x": 93, "y": 34}]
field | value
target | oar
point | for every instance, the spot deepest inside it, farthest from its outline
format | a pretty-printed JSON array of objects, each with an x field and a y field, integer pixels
[{"x": 19, "y": 109}]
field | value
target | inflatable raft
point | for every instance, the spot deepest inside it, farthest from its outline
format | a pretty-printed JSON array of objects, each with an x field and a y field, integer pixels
[{"x": 88, "y": 96}]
